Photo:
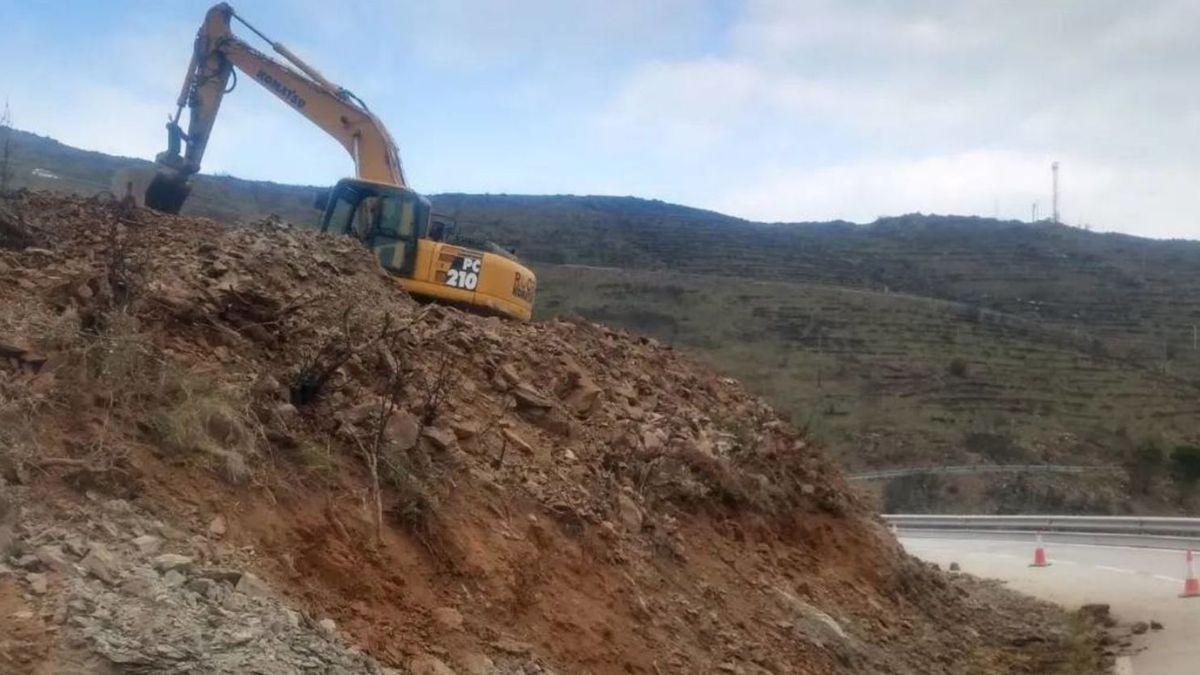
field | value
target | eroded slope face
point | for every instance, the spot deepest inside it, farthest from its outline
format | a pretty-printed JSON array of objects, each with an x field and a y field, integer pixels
[{"x": 360, "y": 482}]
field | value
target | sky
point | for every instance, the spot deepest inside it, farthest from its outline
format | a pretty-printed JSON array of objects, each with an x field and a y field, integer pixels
[{"x": 775, "y": 110}]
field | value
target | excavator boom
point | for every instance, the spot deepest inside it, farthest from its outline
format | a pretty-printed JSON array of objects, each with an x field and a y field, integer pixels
[{"x": 216, "y": 53}]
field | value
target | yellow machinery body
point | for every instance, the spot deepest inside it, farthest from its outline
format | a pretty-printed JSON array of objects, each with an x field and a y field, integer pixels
[
  {"x": 443, "y": 272},
  {"x": 376, "y": 206},
  {"x": 395, "y": 222}
]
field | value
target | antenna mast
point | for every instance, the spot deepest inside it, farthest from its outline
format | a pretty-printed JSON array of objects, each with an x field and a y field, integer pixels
[{"x": 1054, "y": 173}]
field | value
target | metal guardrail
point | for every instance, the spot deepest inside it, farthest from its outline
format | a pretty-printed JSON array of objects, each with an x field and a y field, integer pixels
[
  {"x": 1122, "y": 525},
  {"x": 885, "y": 474}
]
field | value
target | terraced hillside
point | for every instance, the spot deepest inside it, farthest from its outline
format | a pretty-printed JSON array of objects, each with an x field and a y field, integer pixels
[
  {"x": 898, "y": 380},
  {"x": 910, "y": 341},
  {"x": 1132, "y": 296}
]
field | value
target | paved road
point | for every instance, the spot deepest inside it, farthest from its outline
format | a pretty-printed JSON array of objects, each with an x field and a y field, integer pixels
[{"x": 1140, "y": 583}]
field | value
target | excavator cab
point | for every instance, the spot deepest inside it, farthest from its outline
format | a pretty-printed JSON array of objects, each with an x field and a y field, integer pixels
[
  {"x": 387, "y": 219},
  {"x": 398, "y": 225}
]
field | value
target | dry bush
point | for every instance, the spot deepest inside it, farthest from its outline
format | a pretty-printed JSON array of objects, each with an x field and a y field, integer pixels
[
  {"x": 308, "y": 383},
  {"x": 317, "y": 457},
  {"x": 414, "y": 506},
  {"x": 436, "y": 388},
  {"x": 122, "y": 284},
  {"x": 198, "y": 416},
  {"x": 18, "y": 431},
  {"x": 119, "y": 362}
]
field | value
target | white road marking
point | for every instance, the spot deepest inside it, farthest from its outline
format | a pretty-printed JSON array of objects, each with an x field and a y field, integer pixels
[
  {"x": 1056, "y": 561},
  {"x": 1115, "y": 569},
  {"x": 1163, "y": 577}
]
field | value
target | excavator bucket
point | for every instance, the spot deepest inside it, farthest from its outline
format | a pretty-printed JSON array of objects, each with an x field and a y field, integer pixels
[{"x": 167, "y": 192}]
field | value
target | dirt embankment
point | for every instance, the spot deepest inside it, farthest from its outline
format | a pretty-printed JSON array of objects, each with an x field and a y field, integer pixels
[{"x": 244, "y": 449}]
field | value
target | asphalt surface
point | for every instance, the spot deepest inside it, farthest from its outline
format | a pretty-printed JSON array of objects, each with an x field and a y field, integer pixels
[{"x": 1140, "y": 584}]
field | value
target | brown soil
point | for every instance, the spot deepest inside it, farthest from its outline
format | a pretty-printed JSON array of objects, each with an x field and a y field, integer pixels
[
  {"x": 25, "y": 641},
  {"x": 557, "y": 496}
]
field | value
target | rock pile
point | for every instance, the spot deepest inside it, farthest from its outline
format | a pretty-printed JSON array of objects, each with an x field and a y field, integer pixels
[
  {"x": 287, "y": 452},
  {"x": 147, "y": 611}
]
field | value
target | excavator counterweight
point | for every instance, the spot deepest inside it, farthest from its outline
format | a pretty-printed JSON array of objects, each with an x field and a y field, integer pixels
[{"x": 377, "y": 207}]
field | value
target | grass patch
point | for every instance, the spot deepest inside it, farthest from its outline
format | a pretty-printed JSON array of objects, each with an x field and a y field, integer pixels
[{"x": 200, "y": 417}]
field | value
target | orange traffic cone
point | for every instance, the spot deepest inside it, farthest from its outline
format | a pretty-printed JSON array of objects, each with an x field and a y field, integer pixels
[
  {"x": 1039, "y": 554},
  {"x": 1191, "y": 585}
]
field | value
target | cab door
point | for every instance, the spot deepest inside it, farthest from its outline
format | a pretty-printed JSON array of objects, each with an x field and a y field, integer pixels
[{"x": 394, "y": 234}]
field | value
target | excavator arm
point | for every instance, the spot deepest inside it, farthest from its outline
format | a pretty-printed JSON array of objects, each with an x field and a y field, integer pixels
[{"x": 216, "y": 53}]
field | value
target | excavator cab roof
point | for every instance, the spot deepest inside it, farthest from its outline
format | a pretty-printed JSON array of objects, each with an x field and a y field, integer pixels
[{"x": 345, "y": 207}]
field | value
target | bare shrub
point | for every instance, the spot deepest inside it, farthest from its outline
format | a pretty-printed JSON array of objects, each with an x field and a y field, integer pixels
[
  {"x": 18, "y": 431},
  {"x": 310, "y": 380},
  {"x": 123, "y": 279},
  {"x": 394, "y": 380},
  {"x": 415, "y": 506},
  {"x": 436, "y": 388}
]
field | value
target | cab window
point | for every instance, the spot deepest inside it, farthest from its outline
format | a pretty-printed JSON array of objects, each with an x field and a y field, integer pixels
[
  {"x": 365, "y": 217},
  {"x": 342, "y": 211},
  {"x": 397, "y": 218}
]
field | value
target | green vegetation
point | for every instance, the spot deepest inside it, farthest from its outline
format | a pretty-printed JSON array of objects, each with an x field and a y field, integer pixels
[{"x": 1186, "y": 459}]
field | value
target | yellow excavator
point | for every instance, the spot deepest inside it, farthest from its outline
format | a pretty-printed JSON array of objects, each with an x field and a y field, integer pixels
[{"x": 376, "y": 206}]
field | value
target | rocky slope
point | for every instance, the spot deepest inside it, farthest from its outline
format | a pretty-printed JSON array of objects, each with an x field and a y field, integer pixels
[{"x": 245, "y": 450}]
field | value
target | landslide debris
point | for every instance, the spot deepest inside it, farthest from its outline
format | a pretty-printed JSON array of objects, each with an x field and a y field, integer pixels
[{"x": 245, "y": 449}]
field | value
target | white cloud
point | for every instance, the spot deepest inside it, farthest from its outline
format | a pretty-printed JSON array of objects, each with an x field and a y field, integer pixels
[
  {"x": 870, "y": 108},
  {"x": 984, "y": 182},
  {"x": 543, "y": 33},
  {"x": 688, "y": 106}
]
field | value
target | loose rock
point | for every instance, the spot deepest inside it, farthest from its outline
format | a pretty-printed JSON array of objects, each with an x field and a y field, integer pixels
[
  {"x": 447, "y": 618},
  {"x": 172, "y": 561},
  {"x": 252, "y": 586},
  {"x": 102, "y": 564},
  {"x": 148, "y": 544},
  {"x": 37, "y": 582},
  {"x": 53, "y": 558},
  {"x": 428, "y": 665}
]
